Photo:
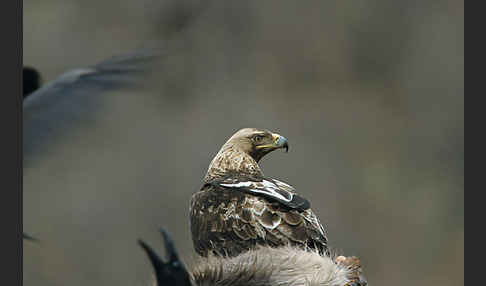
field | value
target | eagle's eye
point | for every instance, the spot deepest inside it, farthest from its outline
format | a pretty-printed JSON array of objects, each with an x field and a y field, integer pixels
[{"x": 258, "y": 138}]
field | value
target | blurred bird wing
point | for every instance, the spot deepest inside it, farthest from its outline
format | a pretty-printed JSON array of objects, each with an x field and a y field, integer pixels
[
  {"x": 269, "y": 188},
  {"x": 76, "y": 97}
]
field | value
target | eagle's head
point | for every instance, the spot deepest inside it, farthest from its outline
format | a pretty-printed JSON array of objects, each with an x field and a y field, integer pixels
[
  {"x": 257, "y": 143},
  {"x": 242, "y": 152}
]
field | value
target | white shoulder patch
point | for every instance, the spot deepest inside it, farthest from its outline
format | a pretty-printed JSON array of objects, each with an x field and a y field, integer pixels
[
  {"x": 238, "y": 185},
  {"x": 265, "y": 187}
]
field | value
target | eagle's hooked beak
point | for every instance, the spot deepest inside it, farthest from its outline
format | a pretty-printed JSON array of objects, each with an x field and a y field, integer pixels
[{"x": 280, "y": 142}]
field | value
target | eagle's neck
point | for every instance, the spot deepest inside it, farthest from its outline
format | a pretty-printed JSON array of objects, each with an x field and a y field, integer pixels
[{"x": 232, "y": 160}]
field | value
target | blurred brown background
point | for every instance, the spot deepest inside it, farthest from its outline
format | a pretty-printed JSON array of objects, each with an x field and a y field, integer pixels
[{"x": 370, "y": 95}]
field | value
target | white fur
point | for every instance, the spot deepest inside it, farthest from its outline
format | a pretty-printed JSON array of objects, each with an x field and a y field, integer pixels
[{"x": 264, "y": 266}]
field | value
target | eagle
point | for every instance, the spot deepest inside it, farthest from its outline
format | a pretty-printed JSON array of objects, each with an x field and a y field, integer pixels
[{"x": 238, "y": 208}]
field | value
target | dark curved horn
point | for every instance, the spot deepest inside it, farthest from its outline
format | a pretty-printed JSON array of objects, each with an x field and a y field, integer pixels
[
  {"x": 171, "y": 272},
  {"x": 170, "y": 249}
]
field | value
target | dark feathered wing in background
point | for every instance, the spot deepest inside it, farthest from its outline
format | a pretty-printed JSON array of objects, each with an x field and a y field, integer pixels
[
  {"x": 76, "y": 97},
  {"x": 60, "y": 107}
]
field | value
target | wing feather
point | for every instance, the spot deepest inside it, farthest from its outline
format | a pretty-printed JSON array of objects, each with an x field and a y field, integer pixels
[
  {"x": 75, "y": 98},
  {"x": 245, "y": 219},
  {"x": 269, "y": 188}
]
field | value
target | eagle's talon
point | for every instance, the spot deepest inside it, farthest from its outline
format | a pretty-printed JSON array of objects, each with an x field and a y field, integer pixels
[
  {"x": 353, "y": 263},
  {"x": 351, "y": 283}
]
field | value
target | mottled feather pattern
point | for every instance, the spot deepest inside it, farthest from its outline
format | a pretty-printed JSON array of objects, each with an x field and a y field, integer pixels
[
  {"x": 230, "y": 158},
  {"x": 232, "y": 222}
]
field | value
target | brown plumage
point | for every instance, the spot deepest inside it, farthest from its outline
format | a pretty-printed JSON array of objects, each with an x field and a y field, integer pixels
[{"x": 238, "y": 208}]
